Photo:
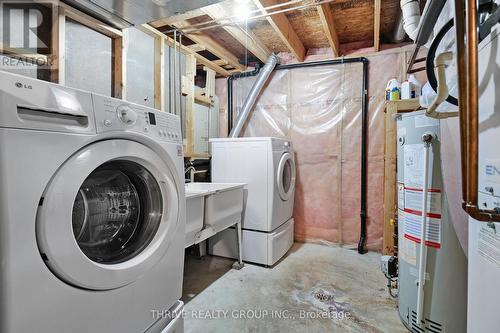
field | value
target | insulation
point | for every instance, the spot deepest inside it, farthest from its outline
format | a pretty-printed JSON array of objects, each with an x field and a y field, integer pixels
[{"x": 319, "y": 110}]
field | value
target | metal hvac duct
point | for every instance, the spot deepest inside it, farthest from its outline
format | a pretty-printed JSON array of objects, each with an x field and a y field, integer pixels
[{"x": 249, "y": 103}]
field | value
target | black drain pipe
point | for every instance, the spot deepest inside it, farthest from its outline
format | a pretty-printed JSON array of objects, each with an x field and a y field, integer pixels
[{"x": 364, "y": 123}]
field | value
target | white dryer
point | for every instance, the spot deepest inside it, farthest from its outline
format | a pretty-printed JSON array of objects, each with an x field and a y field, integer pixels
[
  {"x": 92, "y": 211},
  {"x": 267, "y": 165}
]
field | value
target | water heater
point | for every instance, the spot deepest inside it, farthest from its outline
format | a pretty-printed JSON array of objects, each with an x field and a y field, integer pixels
[{"x": 432, "y": 270}]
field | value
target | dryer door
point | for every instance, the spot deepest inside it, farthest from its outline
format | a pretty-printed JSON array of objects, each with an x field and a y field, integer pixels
[
  {"x": 286, "y": 176},
  {"x": 108, "y": 215}
]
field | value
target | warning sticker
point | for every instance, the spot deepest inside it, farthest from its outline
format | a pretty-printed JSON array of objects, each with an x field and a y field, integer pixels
[
  {"x": 413, "y": 216},
  {"x": 489, "y": 243},
  {"x": 414, "y": 165}
]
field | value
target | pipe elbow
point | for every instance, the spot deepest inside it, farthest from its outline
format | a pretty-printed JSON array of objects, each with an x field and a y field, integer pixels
[
  {"x": 411, "y": 17},
  {"x": 442, "y": 88}
]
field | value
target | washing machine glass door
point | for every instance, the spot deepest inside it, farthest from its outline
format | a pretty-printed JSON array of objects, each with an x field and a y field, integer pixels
[
  {"x": 286, "y": 176},
  {"x": 108, "y": 215}
]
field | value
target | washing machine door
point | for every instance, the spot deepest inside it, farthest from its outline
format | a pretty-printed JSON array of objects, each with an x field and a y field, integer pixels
[
  {"x": 286, "y": 176},
  {"x": 108, "y": 215}
]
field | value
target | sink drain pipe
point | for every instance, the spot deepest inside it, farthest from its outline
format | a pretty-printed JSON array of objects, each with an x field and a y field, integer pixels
[{"x": 364, "y": 123}]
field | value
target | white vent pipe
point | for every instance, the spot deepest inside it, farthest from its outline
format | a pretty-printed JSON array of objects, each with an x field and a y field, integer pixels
[
  {"x": 442, "y": 87},
  {"x": 411, "y": 17},
  {"x": 264, "y": 75}
]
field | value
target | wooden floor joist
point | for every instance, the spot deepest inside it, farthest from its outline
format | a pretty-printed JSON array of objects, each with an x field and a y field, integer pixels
[
  {"x": 199, "y": 58},
  {"x": 376, "y": 27},
  {"x": 284, "y": 29},
  {"x": 211, "y": 45},
  {"x": 326, "y": 17},
  {"x": 245, "y": 38},
  {"x": 176, "y": 18}
]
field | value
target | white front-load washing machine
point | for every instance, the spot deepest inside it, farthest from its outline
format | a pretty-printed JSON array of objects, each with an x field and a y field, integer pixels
[
  {"x": 267, "y": 165},
  {"x": 92, "y": 212}
]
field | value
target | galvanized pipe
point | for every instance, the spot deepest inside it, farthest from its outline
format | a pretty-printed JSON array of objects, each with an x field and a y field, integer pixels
[{"x": 249, "y": 103}]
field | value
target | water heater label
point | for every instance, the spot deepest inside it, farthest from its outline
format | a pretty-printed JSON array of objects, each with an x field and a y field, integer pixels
[
  {"x": 412, "y": 225},
  {"x": 413, "y": 201},
  {"x": 408, "y": 250},
  {"x": 413, "y": 216}
]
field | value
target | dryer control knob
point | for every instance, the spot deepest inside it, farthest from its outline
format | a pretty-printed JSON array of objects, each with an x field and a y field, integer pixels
[{"x": 126, "y": 114}]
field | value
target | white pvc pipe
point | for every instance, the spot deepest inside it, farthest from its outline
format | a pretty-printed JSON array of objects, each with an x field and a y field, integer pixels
[
  {"x": 427, "y": 138},
  {"x": 411, "y": 17},
  {"x": 442, "y": 87}
]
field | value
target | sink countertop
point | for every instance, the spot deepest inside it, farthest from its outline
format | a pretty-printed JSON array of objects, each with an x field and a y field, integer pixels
[{"x": 199, "y": 189}]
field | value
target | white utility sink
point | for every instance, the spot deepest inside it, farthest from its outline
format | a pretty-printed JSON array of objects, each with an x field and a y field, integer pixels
[{"x": 211, "y": 207}]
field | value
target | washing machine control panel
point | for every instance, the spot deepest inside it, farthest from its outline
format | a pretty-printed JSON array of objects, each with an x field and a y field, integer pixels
[{"x": 113, "y": 115}]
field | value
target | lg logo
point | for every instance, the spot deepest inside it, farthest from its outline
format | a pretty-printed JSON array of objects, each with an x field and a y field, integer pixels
[{"x": 25, "y": 86}]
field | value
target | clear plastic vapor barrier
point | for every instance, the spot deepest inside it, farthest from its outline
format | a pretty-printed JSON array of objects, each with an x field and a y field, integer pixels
[{"x": 319, "y": 110}]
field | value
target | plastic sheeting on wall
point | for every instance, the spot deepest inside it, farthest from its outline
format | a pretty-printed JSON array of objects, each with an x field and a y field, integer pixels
[
  {"x": 83, "y": 72},
  {"x": 319, "y": 110},
  {"x": 140, "y": 67}
]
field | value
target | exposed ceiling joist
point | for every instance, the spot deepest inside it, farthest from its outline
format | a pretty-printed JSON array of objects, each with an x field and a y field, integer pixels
[
  {"x": 220, "y": 62},
  {"x": 212, "y": 46},
  {"x": 326, "y": 17},
  {"x": 176, "y": 18},
  {"x": 186, "y": 50},
  {"x": 245, "y": 38},
  {"x": 197, "y": 47},
  {"x": 376, "y": 27},
  {"x": 284, "y": 29}
]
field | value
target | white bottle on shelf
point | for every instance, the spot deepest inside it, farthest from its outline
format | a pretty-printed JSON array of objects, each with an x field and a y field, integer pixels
[
  {"x": 418, "y": 87},
  {"x": 407, "y": 90}
]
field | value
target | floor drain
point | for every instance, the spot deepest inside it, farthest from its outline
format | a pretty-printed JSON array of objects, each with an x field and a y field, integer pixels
[{"x": 322, "y": 296}]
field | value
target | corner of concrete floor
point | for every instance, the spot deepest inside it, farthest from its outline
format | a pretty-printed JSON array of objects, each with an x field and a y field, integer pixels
[{"x": 315, "y": 288}]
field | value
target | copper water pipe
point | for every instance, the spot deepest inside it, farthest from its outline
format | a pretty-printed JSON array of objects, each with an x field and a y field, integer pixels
[
  {"x": 462, "y": 87},
  {"x": 468, "y": 110}
]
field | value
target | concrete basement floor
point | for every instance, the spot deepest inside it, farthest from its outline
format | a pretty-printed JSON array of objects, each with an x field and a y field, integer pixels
[{"x": 315, "y": 288}]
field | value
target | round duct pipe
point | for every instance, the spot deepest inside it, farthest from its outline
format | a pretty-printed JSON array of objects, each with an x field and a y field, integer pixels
[{"x": 411, "y": 17}]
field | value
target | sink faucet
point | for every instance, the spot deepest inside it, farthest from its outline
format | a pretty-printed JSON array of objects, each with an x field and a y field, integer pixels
[{"x": 191, "y": 171}]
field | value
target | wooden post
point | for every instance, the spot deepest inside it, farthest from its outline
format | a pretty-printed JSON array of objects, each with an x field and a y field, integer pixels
[
  {"x": 58, "y": 35},
  {"x": 159, "y": 74},
  {"x": 390, "y": 169},
  {"x": 119, "y": 67},
  {"x": 189, "y": 91}
]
